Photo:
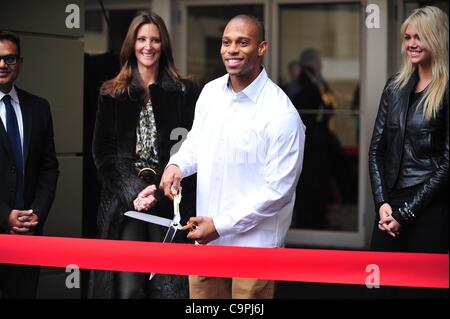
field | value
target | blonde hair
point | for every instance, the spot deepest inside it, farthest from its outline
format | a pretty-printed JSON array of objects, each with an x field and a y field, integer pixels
[
  {"x": 127, "y": 80},
  {"x": 431, "y": 24}
]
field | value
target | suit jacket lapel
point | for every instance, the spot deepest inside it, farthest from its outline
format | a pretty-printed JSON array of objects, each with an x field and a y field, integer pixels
[
  {"x": 27, "y": 111},
  {"x": 4, "y": 141}
]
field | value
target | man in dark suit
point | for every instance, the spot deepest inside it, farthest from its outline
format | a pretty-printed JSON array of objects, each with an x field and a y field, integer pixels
[{"x": 28, "y": 166}]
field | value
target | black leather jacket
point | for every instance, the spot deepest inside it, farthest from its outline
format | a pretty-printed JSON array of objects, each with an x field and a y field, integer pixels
[{"x": 405, "y": 140}]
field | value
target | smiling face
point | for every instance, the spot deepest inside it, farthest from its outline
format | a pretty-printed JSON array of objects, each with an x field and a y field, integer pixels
[
  {"x": 8, "y": 73},
  {"x": 415, "y": 48},
  {"x": 147, "y": 48},
  {"x": 242, "y": 51}
]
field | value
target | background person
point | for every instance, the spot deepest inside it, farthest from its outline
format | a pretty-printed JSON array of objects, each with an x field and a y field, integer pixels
[{"x": 325, "y": 164}]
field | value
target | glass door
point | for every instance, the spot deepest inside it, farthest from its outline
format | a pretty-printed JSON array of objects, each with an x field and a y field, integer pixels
[{"x": 319, "y": 68}]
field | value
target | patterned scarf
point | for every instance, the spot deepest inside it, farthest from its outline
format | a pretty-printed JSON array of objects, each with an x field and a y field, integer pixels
[{"x": 146, "y": 138}]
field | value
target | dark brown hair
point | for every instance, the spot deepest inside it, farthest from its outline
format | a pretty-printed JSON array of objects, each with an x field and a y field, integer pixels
[{"x": 127, "y": 80}]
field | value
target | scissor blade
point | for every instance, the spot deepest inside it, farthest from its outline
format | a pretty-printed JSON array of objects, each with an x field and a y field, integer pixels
[
  {"x": 149, "y": 218},
  {"x": 170, "y": 235}
]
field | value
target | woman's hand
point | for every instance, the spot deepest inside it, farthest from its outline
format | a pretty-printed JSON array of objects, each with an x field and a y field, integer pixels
[
  {"x": 391, "y": 225},
  {"x": 387, "y": 223},
  {"x": 145, "y": 199}
]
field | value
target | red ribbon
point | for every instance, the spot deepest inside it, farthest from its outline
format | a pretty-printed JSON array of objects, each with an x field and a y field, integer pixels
[{"x": 307, "y": 265}]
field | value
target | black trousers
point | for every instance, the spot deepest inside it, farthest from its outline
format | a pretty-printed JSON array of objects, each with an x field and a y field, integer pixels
[
  {"x": 133, "y": 285},
  {"x": 427, "y": 234},
  {"x": 18, "y": 281}
]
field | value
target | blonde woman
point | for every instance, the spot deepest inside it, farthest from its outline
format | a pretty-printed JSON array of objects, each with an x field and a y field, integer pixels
[{"x": 408, "y": 157}]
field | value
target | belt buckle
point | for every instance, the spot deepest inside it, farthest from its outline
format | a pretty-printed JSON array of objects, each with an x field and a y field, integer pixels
[
  {"x": 147, "y": 174},
  {"x": 145, "y": 169}
]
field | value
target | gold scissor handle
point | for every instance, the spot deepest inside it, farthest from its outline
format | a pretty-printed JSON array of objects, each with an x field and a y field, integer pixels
[{"x": 189, "y": 226}]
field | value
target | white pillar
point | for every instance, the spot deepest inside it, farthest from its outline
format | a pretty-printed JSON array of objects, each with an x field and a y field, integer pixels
[
  {"x": 374, "y": 76},
  {"x": 163, "y": 9}
]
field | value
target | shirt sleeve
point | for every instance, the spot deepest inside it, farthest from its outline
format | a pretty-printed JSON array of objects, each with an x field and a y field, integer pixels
[{"x": 282, "y": 167}]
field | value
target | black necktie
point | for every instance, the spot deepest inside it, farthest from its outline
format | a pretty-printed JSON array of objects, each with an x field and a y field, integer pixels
[{"x": 12, "y": 129}]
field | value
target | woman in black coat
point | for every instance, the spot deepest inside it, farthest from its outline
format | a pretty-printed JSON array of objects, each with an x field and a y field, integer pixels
[
  {"x": 408, "y": 157},
  {"x": 142, "y": 114}
]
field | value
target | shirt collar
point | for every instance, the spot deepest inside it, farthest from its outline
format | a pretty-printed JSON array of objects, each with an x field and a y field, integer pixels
[
  {"x": 12, "y": 93},
  {"x": 253, "y": 90}
]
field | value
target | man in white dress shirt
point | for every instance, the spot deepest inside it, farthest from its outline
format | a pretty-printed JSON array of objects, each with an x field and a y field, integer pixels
[{"x": 246, "y": 146}]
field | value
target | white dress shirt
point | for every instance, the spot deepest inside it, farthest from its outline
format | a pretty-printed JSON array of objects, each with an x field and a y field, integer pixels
[
  {"x": 16, "y": 106},
  {"x": 247, "y": 151}
]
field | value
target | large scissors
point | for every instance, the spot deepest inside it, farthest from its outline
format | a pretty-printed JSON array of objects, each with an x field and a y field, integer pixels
[{"x": 173, "y": 225}]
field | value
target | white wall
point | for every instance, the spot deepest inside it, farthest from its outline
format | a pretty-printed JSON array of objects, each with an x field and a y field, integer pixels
[{"x": 53, "y": 68}]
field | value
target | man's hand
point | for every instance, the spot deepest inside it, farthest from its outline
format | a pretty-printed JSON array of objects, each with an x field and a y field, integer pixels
[
  {"x": 22, "y": 222},
  {"x": 205, "y": 231},
  {"x": 145, "y": 199},
  {"x": 170, "y": 181},
  {"x": 385, "y": 224}
]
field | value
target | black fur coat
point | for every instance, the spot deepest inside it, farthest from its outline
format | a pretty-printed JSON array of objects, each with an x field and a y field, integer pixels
[{"x": 114, "y": 149}]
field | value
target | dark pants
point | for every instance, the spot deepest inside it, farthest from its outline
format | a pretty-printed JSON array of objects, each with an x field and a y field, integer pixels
[
  {"x": 427, "y": 234},
  {"x": 18, "y": 281},
  {"x": 133, "y": 285}
]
